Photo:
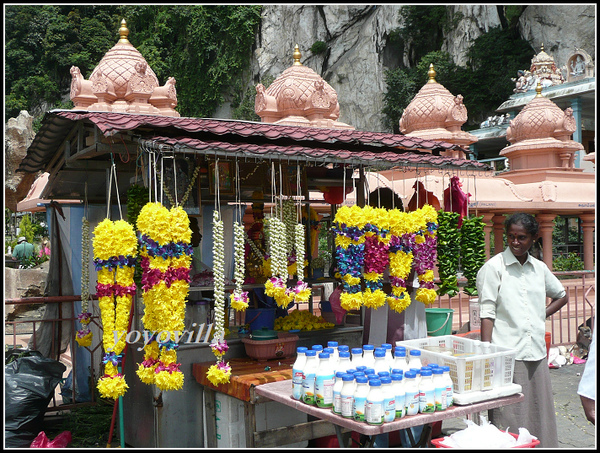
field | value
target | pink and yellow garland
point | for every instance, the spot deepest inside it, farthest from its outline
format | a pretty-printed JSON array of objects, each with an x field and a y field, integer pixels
[
  {"x": 164, "y": 237},
  {"x": 115, "y": 251},
  {"x": 377, "y": 238},
  {"x": 425, "y": 251}
]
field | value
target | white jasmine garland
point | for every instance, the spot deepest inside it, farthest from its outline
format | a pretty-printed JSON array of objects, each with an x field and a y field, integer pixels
[
  {"x": 299, "y": 246},
  {"x": 240, "y": 298},
  {"x": 219, "y": 275}
]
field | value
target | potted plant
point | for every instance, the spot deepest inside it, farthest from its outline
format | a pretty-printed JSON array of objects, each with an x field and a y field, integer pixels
[{"x": 320, "y": 263}]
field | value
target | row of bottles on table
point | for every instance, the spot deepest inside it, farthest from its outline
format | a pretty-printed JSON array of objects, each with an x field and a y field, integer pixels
[{"x": 370, "y": 394}]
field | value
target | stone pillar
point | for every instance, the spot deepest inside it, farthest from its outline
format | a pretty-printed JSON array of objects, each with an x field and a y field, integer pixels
[
  {"x": 498, "y": 226},
  {"x": 546, "y": 228},
  {"x": 577, "y": 135},
  {"x": 487, "y": 229},
  {"x": 588, "y": 224}
]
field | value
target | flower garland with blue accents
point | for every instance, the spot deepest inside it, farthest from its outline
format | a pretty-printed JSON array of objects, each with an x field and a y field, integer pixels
[
  {"x": 350, "y": 244},
  {"x": 115, "y": 251},
  {"x": 377, "y": 237},
  {"x": 425, "y": 253},
  {"x": 401, "y": 258},
  {"x": 164, "y": 238}
]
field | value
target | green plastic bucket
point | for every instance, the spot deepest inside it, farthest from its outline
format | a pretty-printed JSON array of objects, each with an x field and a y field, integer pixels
[{"x": 439, "y": 321}]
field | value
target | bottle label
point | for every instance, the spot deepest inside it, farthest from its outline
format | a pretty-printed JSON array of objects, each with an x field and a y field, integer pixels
[
  {"x": 337, "y": 403},
  {"x": 359, "y": 408},
  {"x": 297, "y": 379},
  {"x": 440, "y": 398},
  {"x": 412, "y": 403},
  {"x": 324, "y": 391},
  {"x": 449, "y": 395},
  {"x": 389, "y": 405},
  {"x": 374, "y": 412},
  {"x": 400, "y": 406},
  {"x": 308, "y": 388},
  {"x": 426, "y": 401},
  {"x": 347, "y": 405}
]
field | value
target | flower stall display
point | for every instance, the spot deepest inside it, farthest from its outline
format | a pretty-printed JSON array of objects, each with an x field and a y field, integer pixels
[
  {"x": 220, "y": 372},
  {"x": 115, "y": 251},
  {"x": 377, "y": 237},
  {"x": 84, "y": 334},
  {"x": 425, "y": 253},
  {"x": 368, "y": 239},
  {"x": 164, "y": 238},
  {"x": 350, "y": 244}
]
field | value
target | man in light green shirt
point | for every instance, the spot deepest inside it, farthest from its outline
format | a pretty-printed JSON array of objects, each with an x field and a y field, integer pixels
[{"x": 23, "y": 249}]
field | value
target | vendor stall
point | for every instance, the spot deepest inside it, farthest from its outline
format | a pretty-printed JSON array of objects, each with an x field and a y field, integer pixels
[{"x": 121, "y": 144}]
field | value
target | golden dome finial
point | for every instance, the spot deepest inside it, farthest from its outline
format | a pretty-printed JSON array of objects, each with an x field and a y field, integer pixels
[
  {"x": 542, "y": 49},
  {"x": 297, "y": 56},
  {"x": 538, "y": 90},
  {"x": 431, "y": 73},
  {"x": 123, "y": 32}
]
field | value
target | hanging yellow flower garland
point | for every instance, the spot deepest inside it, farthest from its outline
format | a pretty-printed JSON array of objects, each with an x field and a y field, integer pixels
[
  {"x": 401, "y": 258},
  {"x": 350, "y": 243},
  {"x": 115, "y": 251},
  {"x": 377, "y": 238},
  {"x": 164, "y": 237}
]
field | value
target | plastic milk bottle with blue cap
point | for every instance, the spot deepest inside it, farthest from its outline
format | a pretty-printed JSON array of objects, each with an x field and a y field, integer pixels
[
  {"x": 389, "y": 399},
  {"x": 411, "y": 389},
  {"x": 398, "y": 388},
  {"x": 337, "y": 393},
  {"x": 360, "y": 398},
  {"x": 298, "y": 373},
  {"x": 308, "y": 383},
  {"x": 374, "y": 408},
  {"x": 347, "y": 395},
  {"x": 324, "y": 381}
]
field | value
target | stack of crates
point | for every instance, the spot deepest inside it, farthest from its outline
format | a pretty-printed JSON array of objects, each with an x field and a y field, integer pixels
[{"x": 470, "y": 369}]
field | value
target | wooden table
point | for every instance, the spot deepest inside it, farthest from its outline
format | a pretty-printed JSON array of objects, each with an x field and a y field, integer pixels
[{"x": 282, "y": 391}]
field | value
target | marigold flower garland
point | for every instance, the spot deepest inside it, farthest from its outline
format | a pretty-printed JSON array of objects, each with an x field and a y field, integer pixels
[
  {"x": 377, "y": 237},
  {"x": 239, "y": 300},
  {"x": 221, "y": 371},
  {"x": 115, "y": 251},
  {"x": 401, "y": 258},
  {"x": 349, "y": 240},
  {"x": 84, "y": 334},
  {"x": 425, "y": 253},
  {"x": 164, "y": 237}
]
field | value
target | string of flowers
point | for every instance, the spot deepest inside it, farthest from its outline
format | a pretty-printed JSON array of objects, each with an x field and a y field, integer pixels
[
  {"x": 401, "y": 258},
  {"x": 84, "y": 334},
  {"x": 164, "y": 238},
  {"x": 377, "y": 237},
  {"x": 115, "y": 250},
  {"x": 349, "y": 240},
  {"x": 221, "y": 371},
  {"x": 240, "y": 298},
  {"x": 276, "y": 285},
  {"x": 302, "y": 290},
  {"x": 425, "y": 253}
]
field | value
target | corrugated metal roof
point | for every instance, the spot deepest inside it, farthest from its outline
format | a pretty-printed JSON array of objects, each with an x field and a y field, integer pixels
[{"x": 230, "y": 136}]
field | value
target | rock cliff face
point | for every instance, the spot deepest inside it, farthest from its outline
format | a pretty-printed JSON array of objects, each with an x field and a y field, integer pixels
[
  {"x": 358, "y": 50},
  {"x": 17, "y": 138}
]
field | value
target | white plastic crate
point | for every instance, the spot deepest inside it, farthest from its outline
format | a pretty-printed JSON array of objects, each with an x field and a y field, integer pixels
[{"x": 469, "y": 369}]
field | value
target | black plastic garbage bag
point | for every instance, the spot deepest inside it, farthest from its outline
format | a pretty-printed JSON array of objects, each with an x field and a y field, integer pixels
[{"x": 29, "y": 383}]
